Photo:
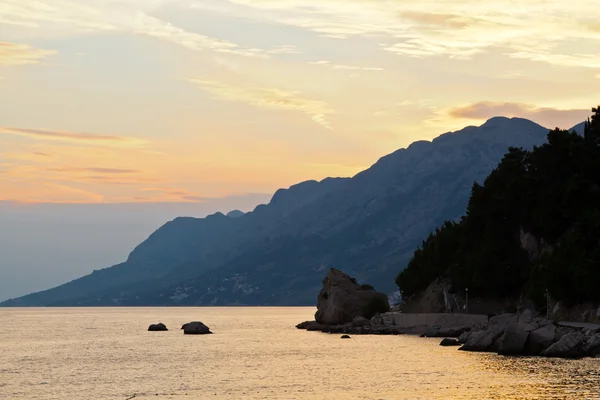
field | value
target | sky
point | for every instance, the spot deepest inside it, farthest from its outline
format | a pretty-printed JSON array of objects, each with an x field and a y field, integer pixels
[{"x": 191, "y": 101}]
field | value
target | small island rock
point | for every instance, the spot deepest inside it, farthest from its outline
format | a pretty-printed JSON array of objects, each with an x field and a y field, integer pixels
[
  {"x": 157, "y": 327},
  {"x": 195, "y": 328}
]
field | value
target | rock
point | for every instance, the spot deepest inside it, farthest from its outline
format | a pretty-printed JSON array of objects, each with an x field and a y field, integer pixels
[
  {"x": 311, "y": 326},
  {"x": 592, "y": 346},
  {"x": 342, "y": 299},
  {"x": 525, "y": 317},
  {"x": 360, "y": 321},
  {"x": 514, "y": 339},
  {"x": 540, "y": 339},
  {"x": 377, "y": 320},
  {"x": 449, "y": 342},
  {"x": 485, "y": 340},
  {"x": 503, "y": 320},
  {"x": 462, "y": 339},
  {"x": 569, "y": 346},
  {"x": 345, "y": 337},
  {"x": 157, "y": 327},
  {"x": 431, "y": 331},
  {"x": 195, "y": 328}
]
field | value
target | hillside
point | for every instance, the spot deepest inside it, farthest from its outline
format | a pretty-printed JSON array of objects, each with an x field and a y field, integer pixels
[
  {"x": 367, "y": 225},
  {"x": 534, "y": 224}
]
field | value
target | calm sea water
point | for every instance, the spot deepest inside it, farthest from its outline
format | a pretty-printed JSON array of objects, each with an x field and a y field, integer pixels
[{"x": 255, "y": 353}]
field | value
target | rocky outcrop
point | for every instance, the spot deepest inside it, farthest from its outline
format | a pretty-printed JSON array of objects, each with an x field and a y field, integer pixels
[
  {"x": 157, "y": 327},
  {"x": 341, "y": 300},
  {"x": 521, "y": 334},
  {"x": 345, "y": 337},
  {"x": 195, "y": 328}
]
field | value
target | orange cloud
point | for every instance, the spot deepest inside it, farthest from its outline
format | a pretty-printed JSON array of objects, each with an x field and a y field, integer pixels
[
  {"x": 94, "y": 169},
  {"x": 89, "y": 138},
  {"x": 546, "y": 116},
  {"x": 20, "y": 54}
]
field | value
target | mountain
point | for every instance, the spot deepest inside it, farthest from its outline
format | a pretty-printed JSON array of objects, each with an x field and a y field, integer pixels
[
  {"x": 368, "y": 226},
  {"x": 530, "y": 230}
]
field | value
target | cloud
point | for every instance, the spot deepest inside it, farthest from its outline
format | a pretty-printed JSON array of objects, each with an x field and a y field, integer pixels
[
  {"x": 99, "y": 170},
  {"x": 20, "y": 54},
  {"x": 537, "y": 30},
  {"x": 345, "y": 67},
  {"x": 268, "y": 98},
  {"x": 89, "y": 138},
  {"x": 546, "y": 116},
  {"x": 130, "y": 16}
]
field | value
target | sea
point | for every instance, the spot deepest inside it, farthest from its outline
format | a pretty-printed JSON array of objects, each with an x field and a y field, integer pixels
[{"x": 255, "y": 353}]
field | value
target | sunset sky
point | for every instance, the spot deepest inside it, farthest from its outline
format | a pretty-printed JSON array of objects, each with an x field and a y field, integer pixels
[{"x": 186, "y": 100}]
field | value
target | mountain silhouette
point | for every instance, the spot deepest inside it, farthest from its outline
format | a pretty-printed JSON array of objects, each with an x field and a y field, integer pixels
[{"x": 368, "y": 226}]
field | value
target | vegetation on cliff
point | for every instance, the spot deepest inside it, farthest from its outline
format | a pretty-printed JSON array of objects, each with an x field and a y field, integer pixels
[{"x": 551, "y": 195}]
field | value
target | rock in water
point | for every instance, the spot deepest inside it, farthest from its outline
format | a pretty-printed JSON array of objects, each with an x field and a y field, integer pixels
[
  {"x": 195, "y": 328},
  {"x": 569, "y": 346},
  {"x": 449, "y": 342},
  {"x": 342, "y": 299},
  {"x": 515, "y": 337},
  {"x": 157, "y": 327}
]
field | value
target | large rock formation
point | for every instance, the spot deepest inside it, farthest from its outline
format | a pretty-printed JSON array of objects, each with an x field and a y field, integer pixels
[{"x": 342, "y": 300}]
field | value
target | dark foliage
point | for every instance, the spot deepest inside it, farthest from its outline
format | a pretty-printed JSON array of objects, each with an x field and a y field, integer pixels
[{"x": 552, "y": 193}]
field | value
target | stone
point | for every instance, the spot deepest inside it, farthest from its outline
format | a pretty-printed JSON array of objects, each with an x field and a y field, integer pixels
[
  {"x": 540, "y": 339},
  {"x": 569, "y": 346},
  {"x": 310, "y": 326},
  {"x": 195, "y": 328},
  {"x": 377, "y": 320},
  {"x": 592, "y": 346},
  {"x": 345, "y": 337},
  {"x": 462, "y": 339},
  {"x": 525, "y": 317},
  {"x": 431, "y": 331},
  {"x": 485, "y": 340},
  {"x": 514, "y": 339},
  {"x": 342, "y": 299},
  {"x": 157, "y": 327},
  {"x": 449, "y": 342},
  {"x": 360, "y": 321}
]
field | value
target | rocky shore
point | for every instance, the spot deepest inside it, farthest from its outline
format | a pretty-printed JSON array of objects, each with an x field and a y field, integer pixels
[
  {"x": 345, "y": 307},
  {"x": 522, "y": 334}
]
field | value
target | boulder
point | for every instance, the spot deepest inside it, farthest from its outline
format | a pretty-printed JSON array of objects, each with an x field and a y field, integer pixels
[
  {"x": 195, "y": 328},
  {"x": 377, "y": 320},
  {"x": 569, "y": 346},
  {"x": 592, "y": 346},
  {"x": 462, "y": 339},
  {"x": 342, "y": 299},
  {"x": 514, "y": 339},
  {"x": 360, "y": 321},
  {"x": 345, "y": 337},
  {"x": 525, "y": 317},
  {"x": 485, "y": 340},
  {"x": 449, "y": 342},
  {"x": 540, "y": 339},
  {"x": 310, "y": 326},
  {"x": 157, "y": 327}
]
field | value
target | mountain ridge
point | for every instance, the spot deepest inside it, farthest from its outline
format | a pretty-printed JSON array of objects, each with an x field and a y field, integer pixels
[{"x": 367, "y": 225}]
